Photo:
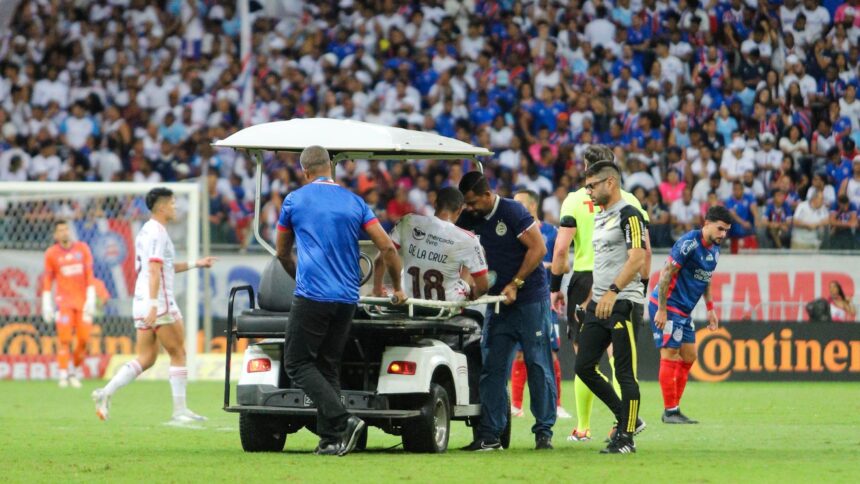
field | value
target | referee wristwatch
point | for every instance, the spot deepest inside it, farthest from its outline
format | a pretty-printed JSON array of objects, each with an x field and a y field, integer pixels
[
  {"x": 614, "y": 288},
  {"x": 518, "y": 282}
]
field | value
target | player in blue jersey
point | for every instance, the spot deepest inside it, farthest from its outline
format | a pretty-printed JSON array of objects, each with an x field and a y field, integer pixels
[
  {"x": 323, "y": 220},
  {"x": 685, "y": 278},
  {"x": 549, "y": 232}
]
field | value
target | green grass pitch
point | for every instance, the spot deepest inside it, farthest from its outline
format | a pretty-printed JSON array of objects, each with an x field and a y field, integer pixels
[{"x": 750, "y": 432}]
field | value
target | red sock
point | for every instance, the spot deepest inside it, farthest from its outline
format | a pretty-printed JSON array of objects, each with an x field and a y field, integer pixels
[
  {"x": 668, "y": 369},
  {"x": 681, "y": 373},
  {"x": 518, "y": 381},
  {"x": 557, "y": 366}
]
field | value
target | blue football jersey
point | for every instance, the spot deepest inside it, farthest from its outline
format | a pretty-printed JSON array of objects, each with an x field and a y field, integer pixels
[
  {"x": 549, "y": 234},
  {"x": 697, "y": 262}
]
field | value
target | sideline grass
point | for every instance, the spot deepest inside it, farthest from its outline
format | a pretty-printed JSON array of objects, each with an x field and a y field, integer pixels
[{"x": 750, "y": 432}]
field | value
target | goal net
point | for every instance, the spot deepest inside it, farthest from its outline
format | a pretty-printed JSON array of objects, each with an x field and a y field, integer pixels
[{"x": 107, "y": 216}]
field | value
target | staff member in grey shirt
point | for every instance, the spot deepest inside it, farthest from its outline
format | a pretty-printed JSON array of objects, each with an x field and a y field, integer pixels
[{"x": 619, "y": 252}]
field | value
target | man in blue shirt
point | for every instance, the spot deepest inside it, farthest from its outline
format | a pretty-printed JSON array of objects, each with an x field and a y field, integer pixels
[
  {"x": 744, "y": 212},
  {"x": 324, "y": 220},
  {"x": 777, "y": 220},
  {"x": 515, "y": 249},
  {"x": 685, "y": 278}
]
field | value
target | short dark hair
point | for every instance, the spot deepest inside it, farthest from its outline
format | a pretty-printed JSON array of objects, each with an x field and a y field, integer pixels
[
  {"x": 157, "y": 194},
  {"x": 533, "y": 196},
  {"x": 474, "y": 182},
  {"x": 595, "y": 153},
  {"x": 59, "y": 222},
  {"x": 719, "y": 213},
  {"x": 449, "y": 198},
  {"x": 598, "y": 167}
]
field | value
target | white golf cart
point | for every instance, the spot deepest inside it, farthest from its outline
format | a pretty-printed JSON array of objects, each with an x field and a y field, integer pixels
[{"x": 408, "y": 370}]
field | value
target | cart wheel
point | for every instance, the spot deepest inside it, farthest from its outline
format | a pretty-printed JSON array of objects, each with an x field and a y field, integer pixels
[
  {"x": 429, "y": 432},
  {"x": 261, "y": 433}
]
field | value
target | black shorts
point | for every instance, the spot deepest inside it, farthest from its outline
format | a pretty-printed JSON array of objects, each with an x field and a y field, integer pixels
[{"x": 577, "y": 292}]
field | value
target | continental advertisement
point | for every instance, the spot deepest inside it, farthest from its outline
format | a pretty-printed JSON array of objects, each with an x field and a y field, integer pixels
[
  {"x": 747, "y": 289},
  {"x": 778, "y": 352}
]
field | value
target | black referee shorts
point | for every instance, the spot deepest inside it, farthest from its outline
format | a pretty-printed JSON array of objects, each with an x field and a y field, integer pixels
[{"x": 577, "y": 292}]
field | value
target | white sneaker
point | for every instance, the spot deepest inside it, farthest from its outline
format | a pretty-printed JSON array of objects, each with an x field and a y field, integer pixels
[
  {"x": 102, "y": 401},
  {"x": 187, "y": 416},
  {"x": 560, "y": 412},
  {"x": 516, "y": 412},
  {"x": 63, "y": 383},
  {"x": 74, "y": 382}
]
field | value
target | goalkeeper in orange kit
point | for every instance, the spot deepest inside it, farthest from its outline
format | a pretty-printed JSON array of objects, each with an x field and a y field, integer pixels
[{"x": 73, "y": 306}]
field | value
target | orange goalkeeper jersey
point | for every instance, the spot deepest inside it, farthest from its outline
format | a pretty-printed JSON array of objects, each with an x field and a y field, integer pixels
[{"x": 72, "y": 268}]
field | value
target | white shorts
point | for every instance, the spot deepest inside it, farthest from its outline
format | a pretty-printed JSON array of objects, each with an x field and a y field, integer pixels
[{"x": 170, "y": 316}]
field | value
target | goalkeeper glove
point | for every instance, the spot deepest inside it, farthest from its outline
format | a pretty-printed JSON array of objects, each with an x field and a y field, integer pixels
[
  {"x": 47, "y": 307},
  {"x": 90, "y": 303}
]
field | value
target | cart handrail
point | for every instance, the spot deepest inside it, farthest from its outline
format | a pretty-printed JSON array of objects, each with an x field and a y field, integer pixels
[{"x": 449, "y": 306}]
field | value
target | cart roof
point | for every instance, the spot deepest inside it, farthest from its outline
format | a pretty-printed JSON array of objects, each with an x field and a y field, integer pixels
[{"x": 350, "y": 139}]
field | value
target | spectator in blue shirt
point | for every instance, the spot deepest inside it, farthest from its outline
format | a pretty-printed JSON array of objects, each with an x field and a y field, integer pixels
[
  {"x": 777, "y": 220},
  {"x": 744, "y": 212}
]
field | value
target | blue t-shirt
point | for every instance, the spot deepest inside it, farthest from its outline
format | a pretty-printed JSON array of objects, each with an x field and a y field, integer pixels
[
  {"x": 839, "y": 173},
  {"x": 549, "y": 234},
  {"x": 697, "y": 263},
  {"x": 326, "y": 220},
  {"x": 505, "y": 253},
  {"x": 742, "y": 208},
  {"x": 773, "y": 213}
]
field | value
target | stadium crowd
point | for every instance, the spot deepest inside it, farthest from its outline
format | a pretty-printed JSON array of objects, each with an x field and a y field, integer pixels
[{"x": 747, "y": 103}]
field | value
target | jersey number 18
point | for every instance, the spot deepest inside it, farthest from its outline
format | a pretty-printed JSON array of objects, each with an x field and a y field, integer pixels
[{"x": 433, "y": 280}]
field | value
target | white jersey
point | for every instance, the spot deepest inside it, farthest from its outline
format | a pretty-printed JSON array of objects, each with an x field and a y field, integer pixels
[
  {"x": 154, "y": 245},
  {"x": 433, "y": 252}
]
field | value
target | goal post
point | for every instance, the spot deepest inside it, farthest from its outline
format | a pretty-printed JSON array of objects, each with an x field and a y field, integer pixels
[{"x": 106, "y": 215}]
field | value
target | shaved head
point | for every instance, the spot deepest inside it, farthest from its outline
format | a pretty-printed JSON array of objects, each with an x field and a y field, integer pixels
[{"x": 315, "y": 160}]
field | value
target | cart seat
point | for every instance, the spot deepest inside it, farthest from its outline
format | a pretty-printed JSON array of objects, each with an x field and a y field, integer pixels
[{"x": 275, "y": 297}]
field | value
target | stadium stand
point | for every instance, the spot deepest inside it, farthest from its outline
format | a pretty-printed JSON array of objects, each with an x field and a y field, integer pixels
[{"x": 693, "y": 96}]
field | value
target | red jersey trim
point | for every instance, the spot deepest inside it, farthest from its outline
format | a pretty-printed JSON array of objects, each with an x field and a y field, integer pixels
[
  {"x": 479, "y": 273},
  {"x": 669, "y": 308},
  {"x": 282, "y": 228},
  {"x": 370, "y": 222}
]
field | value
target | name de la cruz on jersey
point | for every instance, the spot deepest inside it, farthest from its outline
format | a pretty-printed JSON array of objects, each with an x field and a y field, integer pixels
[{"x": 432, "y": 240}]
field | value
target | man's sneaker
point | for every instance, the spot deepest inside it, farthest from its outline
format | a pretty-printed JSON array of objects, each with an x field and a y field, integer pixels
[
  {"x": 102, "y": 400},
  {"x": 482, "y": 445},
  {"x": 354, "y": 426},
  {"x": 329, "y": 448},
  {"x": 640, "y": 426},
  {"x": 543, "y": 442},
  {"x": 63, "y": 383},
  {"x": 74, "y": 382},
  {"x": 560, "y": 412},
  {"x": 516, "y": 411},
  {"x": 579, "y": 435},
  {"x": 622, "y": 444},
  {"x": 187, "y": 416},
  {"x": 676, "y": 417}
]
